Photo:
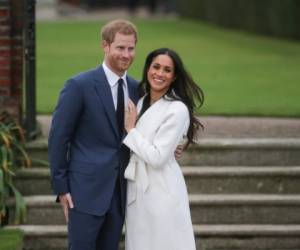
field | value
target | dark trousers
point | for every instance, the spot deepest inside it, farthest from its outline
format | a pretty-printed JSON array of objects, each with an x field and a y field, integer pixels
[{"x": 90, "y": 232}]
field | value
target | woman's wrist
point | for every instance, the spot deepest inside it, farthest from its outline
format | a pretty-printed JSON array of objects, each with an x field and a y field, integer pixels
[{"x": 129, "y": 129}]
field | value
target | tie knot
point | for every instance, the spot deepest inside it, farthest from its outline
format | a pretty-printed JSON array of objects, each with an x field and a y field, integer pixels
[{"x": 120, "y": 82}]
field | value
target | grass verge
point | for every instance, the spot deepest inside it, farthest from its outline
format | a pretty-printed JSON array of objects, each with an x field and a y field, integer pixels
[
  {"x": 240, "y": 73},
  {"x": 11, "y": 239}
]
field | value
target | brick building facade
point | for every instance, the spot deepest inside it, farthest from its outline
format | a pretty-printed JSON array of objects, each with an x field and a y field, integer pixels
[{"x": 11, "y": 56}]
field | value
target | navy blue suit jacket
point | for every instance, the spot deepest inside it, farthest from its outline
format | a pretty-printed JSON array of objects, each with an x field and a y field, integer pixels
[{"x": 85, "y": 152}]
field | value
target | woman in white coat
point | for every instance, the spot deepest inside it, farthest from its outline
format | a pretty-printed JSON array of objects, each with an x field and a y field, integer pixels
[{"x": 157, "y": 212}]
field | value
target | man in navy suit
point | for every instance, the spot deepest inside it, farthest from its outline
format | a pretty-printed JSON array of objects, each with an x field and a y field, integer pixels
[{"x": 86, "y": 153}]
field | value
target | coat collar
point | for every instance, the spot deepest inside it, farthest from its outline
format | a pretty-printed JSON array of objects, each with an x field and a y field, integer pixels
[{"x": 157, "y": 107}]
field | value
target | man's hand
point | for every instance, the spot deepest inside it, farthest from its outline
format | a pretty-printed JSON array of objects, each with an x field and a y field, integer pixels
[
  {"x": 66, "y": 203},
  {"x": 179, "y": 151}
]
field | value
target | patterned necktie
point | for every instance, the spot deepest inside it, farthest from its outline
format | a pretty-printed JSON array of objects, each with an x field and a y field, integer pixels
[{"x": 120, "y": 107}]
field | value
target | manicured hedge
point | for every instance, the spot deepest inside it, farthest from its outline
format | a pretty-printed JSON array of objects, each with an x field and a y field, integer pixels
[{"x": 271, "y": 17}]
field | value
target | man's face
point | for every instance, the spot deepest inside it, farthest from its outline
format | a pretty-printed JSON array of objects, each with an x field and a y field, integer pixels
[{"x": 120, "y": 53}]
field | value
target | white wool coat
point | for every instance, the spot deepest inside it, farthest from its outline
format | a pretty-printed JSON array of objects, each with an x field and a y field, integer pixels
[{"x": 157, "y": 211}]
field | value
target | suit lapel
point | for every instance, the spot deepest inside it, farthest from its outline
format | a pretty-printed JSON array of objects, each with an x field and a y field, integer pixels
[
  {"x": 104, "y": 92},
  {"x": 132, "y": 90}
]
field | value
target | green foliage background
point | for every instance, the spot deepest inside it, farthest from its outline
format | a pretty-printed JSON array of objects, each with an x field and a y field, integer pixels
[
  {"x": 240, "y": 73},
  {"x": 272, "y": 17},
  {"x": 10, "y": 239}
]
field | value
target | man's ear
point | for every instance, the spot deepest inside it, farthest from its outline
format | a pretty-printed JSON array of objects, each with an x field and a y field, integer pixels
[{"x": 105, "y": 45}]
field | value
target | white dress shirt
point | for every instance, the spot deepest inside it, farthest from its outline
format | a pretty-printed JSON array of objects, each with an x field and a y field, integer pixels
[{"x": 112, "y": 79}]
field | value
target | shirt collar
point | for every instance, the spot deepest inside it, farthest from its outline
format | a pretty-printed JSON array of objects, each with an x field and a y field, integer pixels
[{"x": 112, "y": 77}]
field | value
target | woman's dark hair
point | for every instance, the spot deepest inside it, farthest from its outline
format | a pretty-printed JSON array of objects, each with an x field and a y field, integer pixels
[{"x": 183, "y": 88}]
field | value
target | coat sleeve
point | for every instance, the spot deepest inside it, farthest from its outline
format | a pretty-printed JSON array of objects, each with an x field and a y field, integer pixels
[
  {"x": 157, "y": 152},
  {"x": 65, "y": 118}
]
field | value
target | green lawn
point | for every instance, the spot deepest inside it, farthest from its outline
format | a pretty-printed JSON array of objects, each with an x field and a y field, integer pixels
[
  {"x": 241, "y": 74},
  {"x": 10, "y": 239}
]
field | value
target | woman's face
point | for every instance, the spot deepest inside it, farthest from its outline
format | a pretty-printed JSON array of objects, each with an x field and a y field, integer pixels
[{"x": 161, "y": 74}]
